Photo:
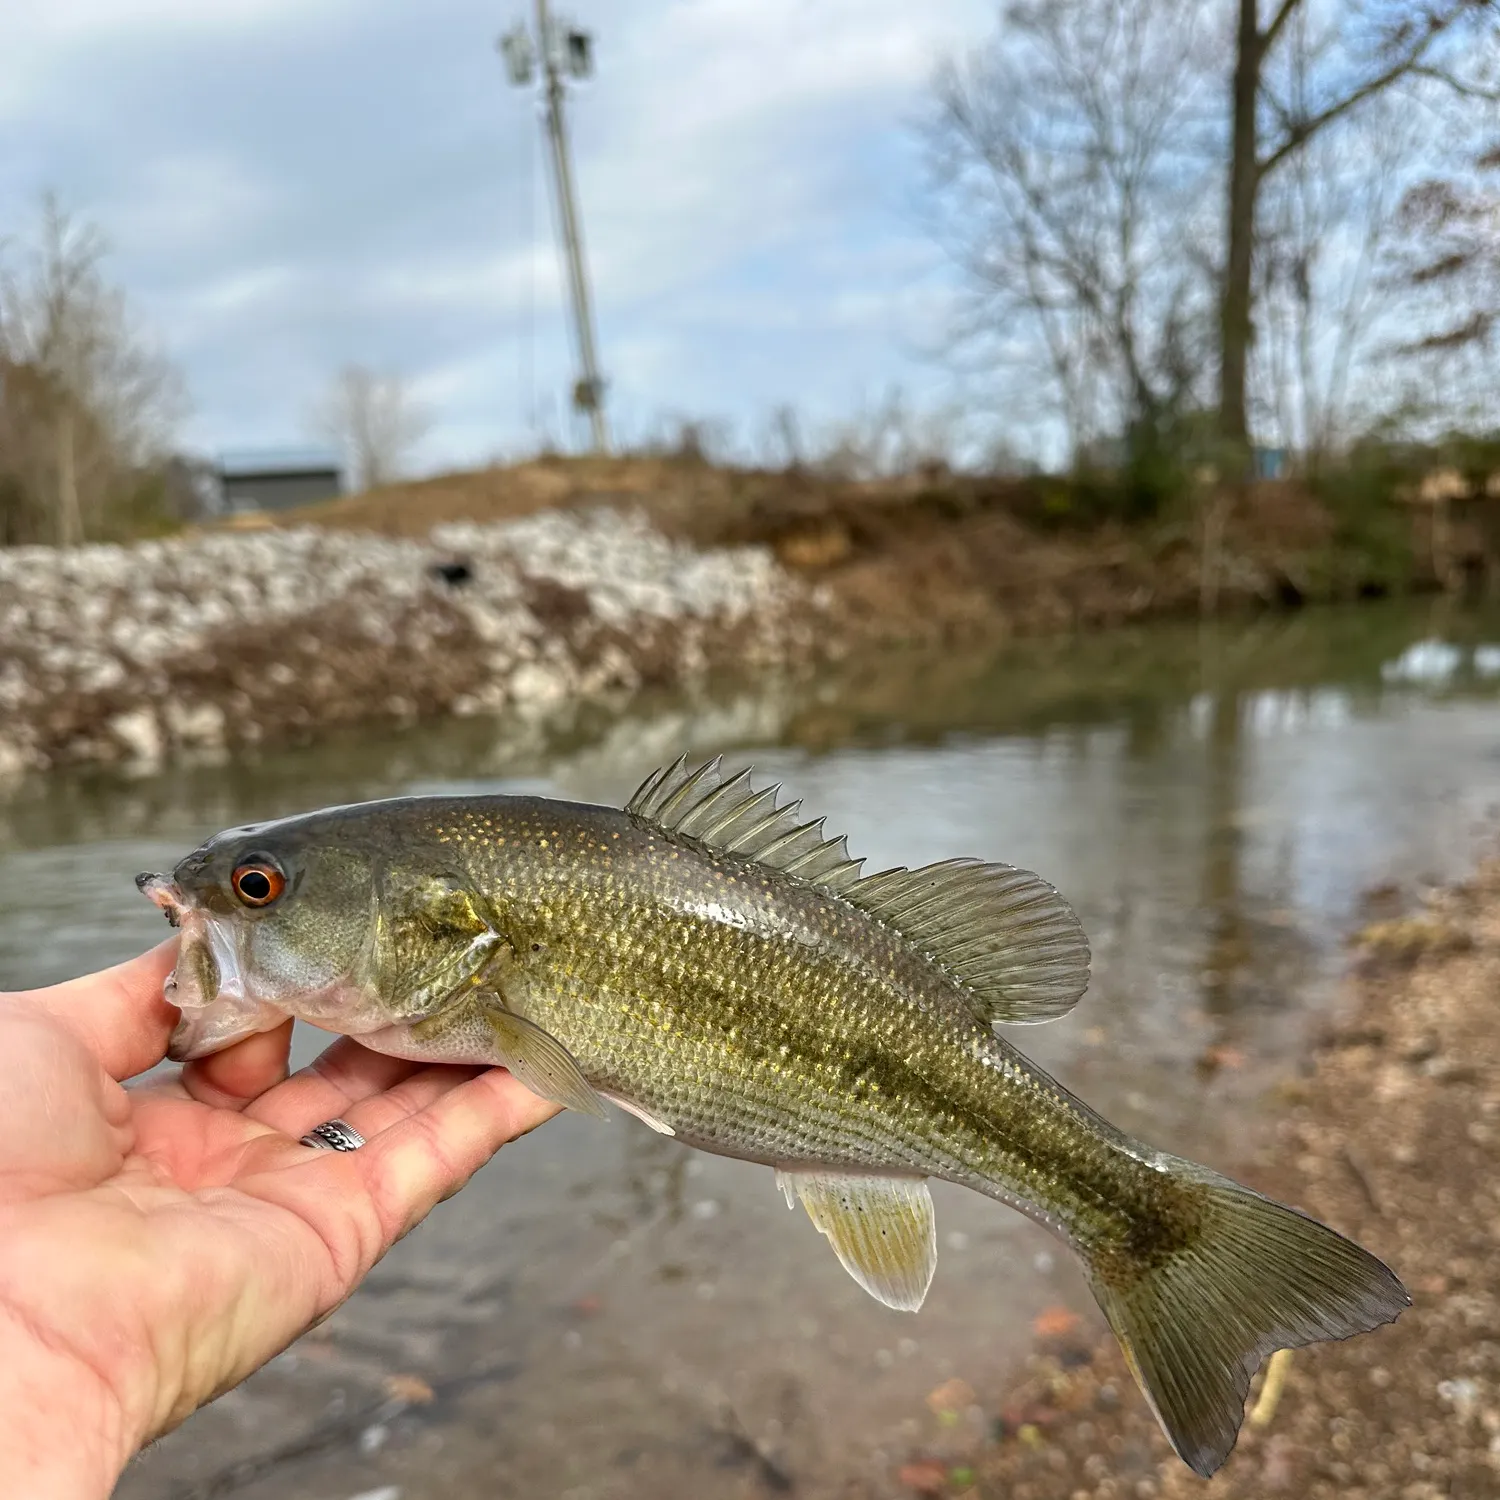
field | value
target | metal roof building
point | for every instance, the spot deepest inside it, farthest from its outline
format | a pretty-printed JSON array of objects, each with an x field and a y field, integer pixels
[{"x": 280, "y": 479}]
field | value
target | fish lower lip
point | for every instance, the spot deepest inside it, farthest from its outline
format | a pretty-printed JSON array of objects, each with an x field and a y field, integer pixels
[
  {"x": 163, "y": 892},
  {"x": 180, "y": 1044}
]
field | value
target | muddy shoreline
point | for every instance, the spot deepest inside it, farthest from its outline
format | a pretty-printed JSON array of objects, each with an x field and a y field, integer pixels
[{"x": 1392, "y": 1134}]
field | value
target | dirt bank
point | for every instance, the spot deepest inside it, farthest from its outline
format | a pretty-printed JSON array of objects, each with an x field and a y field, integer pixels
[
  {"x": 1393, "y": 1136},
  {"x": 942, "y": 556}
]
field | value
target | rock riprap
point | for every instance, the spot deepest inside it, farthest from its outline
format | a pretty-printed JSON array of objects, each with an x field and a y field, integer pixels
[{"x": 228, "y": 638}]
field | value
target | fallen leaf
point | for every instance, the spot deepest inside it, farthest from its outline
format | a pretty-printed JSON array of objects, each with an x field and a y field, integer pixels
[
  {"x": 1266, "y": 1403},
  {"x": 411, "y": 1389},
  {"x": 1216, "y": 1058},
  {"x": 1056, "y": 1322},
  {"x": 951, "y": 1396},
  {"x": 926, "y": 1476}
]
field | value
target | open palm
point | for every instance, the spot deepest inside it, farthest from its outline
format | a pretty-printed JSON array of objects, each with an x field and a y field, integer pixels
[{"x": 160, "y": 1242}]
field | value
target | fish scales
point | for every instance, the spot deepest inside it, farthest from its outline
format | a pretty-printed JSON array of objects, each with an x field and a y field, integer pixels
[
  {"x": 800, "y": 1030},
  {"x": 727, "y": 973}
]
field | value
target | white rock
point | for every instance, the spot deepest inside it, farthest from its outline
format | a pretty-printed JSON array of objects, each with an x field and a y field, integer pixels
[
  {"x": 537, "y": 686},
  {"x": 139, "y": 732},
  {"x": 134, "y": 625},
  {"x": 195, "y": 723},
  {"x": 13, "y": 760}
]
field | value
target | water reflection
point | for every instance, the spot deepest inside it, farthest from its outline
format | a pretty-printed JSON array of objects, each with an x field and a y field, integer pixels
[{"x": 607, "y": 1312}]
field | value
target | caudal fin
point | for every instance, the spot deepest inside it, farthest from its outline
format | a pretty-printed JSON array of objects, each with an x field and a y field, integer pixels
[{"x": 1251, "y": 1276}]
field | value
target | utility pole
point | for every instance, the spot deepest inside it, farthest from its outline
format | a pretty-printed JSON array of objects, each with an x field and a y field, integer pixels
[{"x": 564, "y": 50}]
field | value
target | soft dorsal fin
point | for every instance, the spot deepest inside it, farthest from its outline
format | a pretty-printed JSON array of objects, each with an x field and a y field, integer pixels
[{"x": 1003, "y": 933}]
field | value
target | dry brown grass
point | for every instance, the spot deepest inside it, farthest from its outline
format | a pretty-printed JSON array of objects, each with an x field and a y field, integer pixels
[{"x": 927, "y": 556}]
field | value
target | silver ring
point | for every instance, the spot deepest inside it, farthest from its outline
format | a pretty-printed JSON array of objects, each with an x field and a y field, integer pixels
[{"x": 333, "y": 1135}]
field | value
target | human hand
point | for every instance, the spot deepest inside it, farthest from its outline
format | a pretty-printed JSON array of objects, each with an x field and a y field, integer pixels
[{"x": 158, "y": 1243}]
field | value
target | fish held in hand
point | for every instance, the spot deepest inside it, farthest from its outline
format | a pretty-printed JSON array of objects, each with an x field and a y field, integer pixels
[{"x": 720, "y": 968}]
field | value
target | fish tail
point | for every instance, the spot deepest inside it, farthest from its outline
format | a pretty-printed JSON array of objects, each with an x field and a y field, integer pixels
[{"x": 1221, "y": 1278}]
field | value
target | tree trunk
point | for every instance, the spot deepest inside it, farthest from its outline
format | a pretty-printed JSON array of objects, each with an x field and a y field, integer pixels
[{"x": 1235, "y": 310}]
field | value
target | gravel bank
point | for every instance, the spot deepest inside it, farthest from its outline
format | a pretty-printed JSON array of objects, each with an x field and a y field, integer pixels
[
  {"x": 204, "y": 642},
  {"x": 1393, "y": 1137}
]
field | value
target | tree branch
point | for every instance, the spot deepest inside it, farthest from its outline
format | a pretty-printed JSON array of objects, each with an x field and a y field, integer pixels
[
  {"x": 1409, "y": 64},
  {"x": 1459, "y": 86},
  {"x": 1300, "y": 134},
  {"x": 1268, "y": 37}
]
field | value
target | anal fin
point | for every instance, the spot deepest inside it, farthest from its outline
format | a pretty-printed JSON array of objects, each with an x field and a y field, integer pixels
[{"x": 881, "y": 1228}]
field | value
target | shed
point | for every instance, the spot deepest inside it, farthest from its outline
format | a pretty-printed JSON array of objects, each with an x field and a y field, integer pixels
[{"x": 277, "y": 481}]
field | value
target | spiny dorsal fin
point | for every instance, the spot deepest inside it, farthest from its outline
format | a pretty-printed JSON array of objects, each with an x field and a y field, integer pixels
[
  {"x": 728, "y": 816},
  {"x": 1006, "y": 935}
]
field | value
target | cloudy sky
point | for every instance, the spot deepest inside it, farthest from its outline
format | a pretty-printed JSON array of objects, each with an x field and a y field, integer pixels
[{"x": 292, "y": 185}]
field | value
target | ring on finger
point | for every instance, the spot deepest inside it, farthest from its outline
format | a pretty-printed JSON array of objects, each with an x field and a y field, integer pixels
[{"x": 333, "y": 1135}]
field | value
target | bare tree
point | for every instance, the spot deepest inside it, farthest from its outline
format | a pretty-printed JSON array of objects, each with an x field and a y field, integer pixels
[
  {"x": 1325, "y": 224},
  {"x": 374, "y": 422},
  {"x": 889, "y": 439},
  {"x": 1444, "y": 258},
  {"x": 86, "y": 404},
  {"x": 1364, "y": 50},
  {"x": 1069, "y": 174}
]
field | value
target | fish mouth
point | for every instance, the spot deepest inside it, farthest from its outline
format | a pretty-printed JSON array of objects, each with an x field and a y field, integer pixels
[
  {"x": 163, "y": 891},
  {"x": 207, "y": 985}
]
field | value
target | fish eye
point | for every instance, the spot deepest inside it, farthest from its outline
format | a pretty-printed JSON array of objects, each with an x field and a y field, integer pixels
[{"x": 257, "y": 881}]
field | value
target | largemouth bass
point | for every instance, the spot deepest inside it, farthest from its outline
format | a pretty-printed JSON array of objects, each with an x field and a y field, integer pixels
[{"x": 723, "y": 970}]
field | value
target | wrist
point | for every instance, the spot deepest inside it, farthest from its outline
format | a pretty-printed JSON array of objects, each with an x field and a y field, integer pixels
[{"x": 62, "y": 1432}]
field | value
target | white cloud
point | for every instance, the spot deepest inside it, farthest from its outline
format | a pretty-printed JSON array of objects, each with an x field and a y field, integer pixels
[
  {"x": 192, "y": 200},
  {"x": 293, "y": 184},
  {"x": 740, "y": 139},
  {"x": 44, "y": 39}
]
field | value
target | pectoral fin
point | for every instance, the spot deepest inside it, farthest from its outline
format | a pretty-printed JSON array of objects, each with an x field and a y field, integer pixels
[
  {"x": 541, "y": 1062},
  {"x": 881, "y": 1228}
]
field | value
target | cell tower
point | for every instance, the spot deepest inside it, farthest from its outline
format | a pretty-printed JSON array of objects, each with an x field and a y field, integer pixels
[{"x": 564, "y": 51}]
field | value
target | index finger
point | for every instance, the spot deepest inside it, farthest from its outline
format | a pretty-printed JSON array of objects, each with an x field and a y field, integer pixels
[{"x": 120, "y": 1014}]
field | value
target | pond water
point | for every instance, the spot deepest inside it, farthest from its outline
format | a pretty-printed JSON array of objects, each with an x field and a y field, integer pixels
[{"x": 603, "y": 1312}]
